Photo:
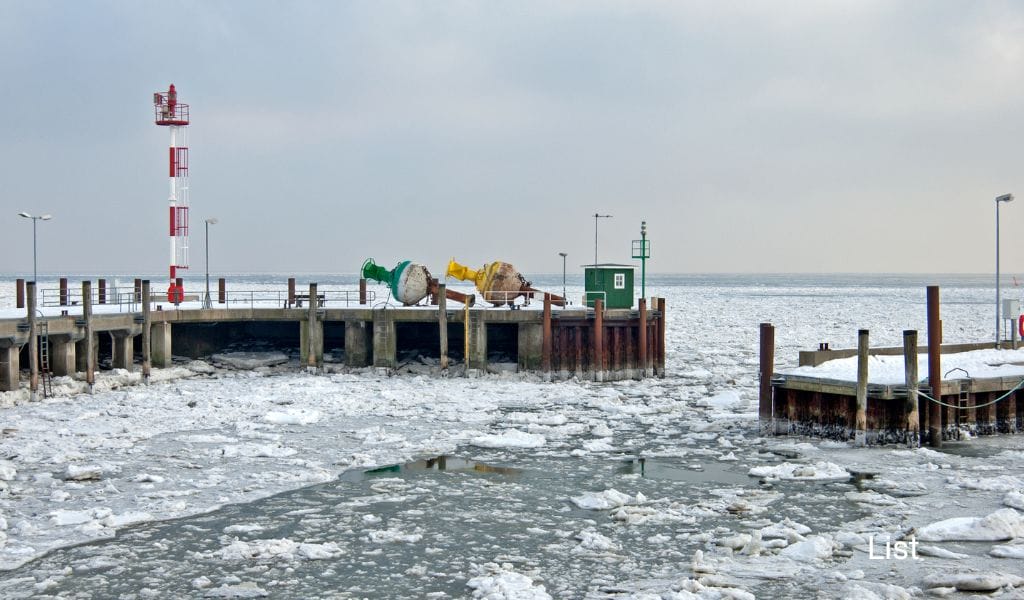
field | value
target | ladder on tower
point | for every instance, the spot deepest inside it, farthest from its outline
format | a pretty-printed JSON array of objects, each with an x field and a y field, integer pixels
[{"x": 44, "y": 359}]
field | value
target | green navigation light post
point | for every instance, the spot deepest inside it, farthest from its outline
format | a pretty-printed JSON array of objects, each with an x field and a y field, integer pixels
[{"x": 642, "y": 250}]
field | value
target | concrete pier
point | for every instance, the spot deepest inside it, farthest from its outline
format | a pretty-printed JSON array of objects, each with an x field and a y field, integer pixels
[{"x": 563, "y": 343}]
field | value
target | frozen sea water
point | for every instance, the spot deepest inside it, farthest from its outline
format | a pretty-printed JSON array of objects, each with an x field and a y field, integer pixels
[{"x": 223, "y": 483}]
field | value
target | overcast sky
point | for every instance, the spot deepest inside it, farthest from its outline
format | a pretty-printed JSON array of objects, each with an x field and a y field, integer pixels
[{"x": 752, "y": 136}]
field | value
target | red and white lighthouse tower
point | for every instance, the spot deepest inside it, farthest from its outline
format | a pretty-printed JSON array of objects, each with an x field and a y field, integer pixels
[{"x": 174, "y": 115}]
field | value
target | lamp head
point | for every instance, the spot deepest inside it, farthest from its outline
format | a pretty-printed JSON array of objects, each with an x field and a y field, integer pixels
[
  {"x": 1005, "y": 198},
  {"x": 45, "y": 217},
  {"x": 212, "y": 221},
  {"x": 25, "y": 214},
  {"x": 562, "y": 254}
]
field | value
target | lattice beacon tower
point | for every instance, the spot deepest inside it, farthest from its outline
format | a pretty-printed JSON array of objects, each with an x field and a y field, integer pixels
[{"x": 174, "y": 115}]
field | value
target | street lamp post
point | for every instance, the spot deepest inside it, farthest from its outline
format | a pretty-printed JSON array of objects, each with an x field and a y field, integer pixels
[
  {"x": 563, "y": 255},
  {"x": 596, "y": 217},
  {"x": 35, "y": 275},
  {"x": 1003, "y": 198},
  {"x": 206, "y": 301}
]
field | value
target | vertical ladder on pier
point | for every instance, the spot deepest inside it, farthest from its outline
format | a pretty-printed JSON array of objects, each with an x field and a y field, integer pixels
[
  {"x": 44, "y": 358},
  {"x": 962, "y": 406}
]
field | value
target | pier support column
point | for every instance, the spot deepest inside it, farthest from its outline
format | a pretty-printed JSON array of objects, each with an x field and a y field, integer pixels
[
  {"x": 311, "y": 336},
  {"x": 10, "y": 368},
  {"x": 764, "y": 405},
  {"x": 531, "y": 347},
  {"x": 861, "y": 422},
  {"x": 82, "y": 354},
  {"x": 62, "y": 356},
  {"x": 478, "y": 342},
  {"x": 160, "y": 344},
  {"x": 123, "y": 350},
  {"x": 357, "y": 343},
  {"x": 913, "y": 430},
  {"x": 934, "y": 367},
  {"x": 442, "y": 318},
  {"x": 384, "y": 343}
]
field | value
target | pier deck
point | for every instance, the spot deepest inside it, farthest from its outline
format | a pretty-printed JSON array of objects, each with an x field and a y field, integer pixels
[{"x": 558, "y": 343}]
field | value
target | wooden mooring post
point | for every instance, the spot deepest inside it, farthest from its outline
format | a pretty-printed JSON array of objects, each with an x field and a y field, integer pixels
[
  {"x": 598, "y": 365},
  {"x": 913, "y": 426},
  {"x": 642, "y": 337},
  {"x": 860, "y": 432},
  {"x": 222, "y": 291},
  {"x": 934, "y": 367},
  {"x": 767, "y": 367},
  {"x": 442, "y": 317},
  {"x": 545, "y": 349},
  {"x": 90, "y": 344},
  {"x": 147, "y": 322},
  {"x": 63, "y": 287},
  {"x": 19, "y": 293},
  {"x": 33, "y": 341}
]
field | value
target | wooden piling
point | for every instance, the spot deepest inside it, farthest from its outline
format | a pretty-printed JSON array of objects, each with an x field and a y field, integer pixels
[
  {"x": 860, "y": 435},
  {"x": 33, "y": 343},
  {"x": 434, "y": 285},
  {"x": 934, "y": 368},
  {"x": 442, "y": 318},
  {"x": 90, "y": 349},
  {"x": 147, "y": 321},
  {"x": 138, "y": 290},
  {"x": 102, "y": 291},
  {"x": 545, "y": 352},
  {"x": 291, "y": 292},
  {"x": 642, "y": 334},
  {"x": 598, "y": 364},
  {"x": 913, "y": 431},
  {"x": 764, "y": 406},
  {"x": 63, "y": 297},
  {"x": 311, "y": 337},
  {"x": 20, "y": 293},
  {"x": 362, "y": 290},
  {"x": 222, "y": 291},
  {"x": 661, "y": 337}
]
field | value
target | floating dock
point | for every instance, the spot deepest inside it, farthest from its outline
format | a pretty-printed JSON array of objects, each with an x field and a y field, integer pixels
[{"x": 594, "y": 343}]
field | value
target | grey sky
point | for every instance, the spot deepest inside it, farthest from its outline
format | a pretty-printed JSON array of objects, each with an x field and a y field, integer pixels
[{"x": 752, "y": 136}]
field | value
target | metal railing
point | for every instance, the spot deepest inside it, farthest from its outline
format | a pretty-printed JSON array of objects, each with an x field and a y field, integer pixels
[{"x": 127, "y": 299}]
